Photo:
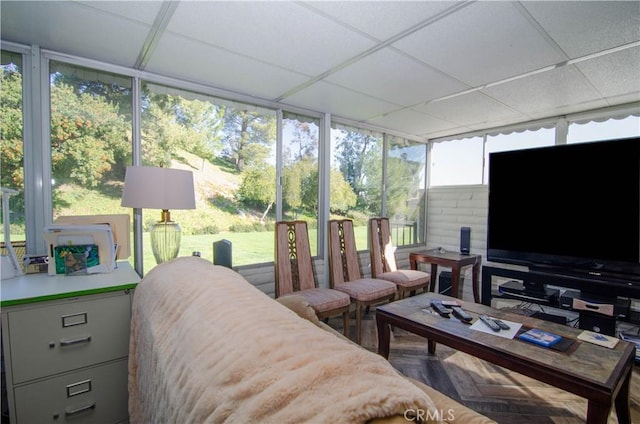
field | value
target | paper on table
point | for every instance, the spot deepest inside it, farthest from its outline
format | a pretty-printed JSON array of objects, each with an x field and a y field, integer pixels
[{"x": 507, "y": 334}]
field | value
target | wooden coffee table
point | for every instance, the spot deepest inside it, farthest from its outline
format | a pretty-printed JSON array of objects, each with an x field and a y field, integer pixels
[{"x": 600, "y": 375}]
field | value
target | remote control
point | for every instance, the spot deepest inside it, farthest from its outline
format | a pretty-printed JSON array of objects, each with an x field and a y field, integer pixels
[
  {"x": 502, "y": 325},
  {"x": 490, "y": 323},
  {"x": 461, "y": 314},
  {"x": 439, "y": 308}
]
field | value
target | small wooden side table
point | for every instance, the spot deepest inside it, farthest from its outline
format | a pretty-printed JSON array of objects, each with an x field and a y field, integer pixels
[{"x": 453, "y": 260}]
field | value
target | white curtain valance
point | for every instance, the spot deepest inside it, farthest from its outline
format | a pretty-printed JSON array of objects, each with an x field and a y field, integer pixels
[
  {"x": 192, "y": 95},
  {"x": 89, "y": 74},
  {"x": 300, "y": 118}
]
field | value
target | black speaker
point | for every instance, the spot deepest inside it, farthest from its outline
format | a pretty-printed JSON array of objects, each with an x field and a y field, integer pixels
[
  {"x": 465, "y": 240},
  {"x": 444, "y": 283},
  {"x": 222, "y": 253}
]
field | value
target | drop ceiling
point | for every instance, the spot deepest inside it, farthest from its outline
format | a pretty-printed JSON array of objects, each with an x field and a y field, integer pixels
[{"x": 422, "y": 68}]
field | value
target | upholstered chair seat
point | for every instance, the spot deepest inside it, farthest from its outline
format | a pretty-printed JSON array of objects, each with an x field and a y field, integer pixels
[
  {"x": 367, "y": 289},
  {"x": 295, "y": 274},
  {"x": 407, "y": 279},
  {"x": 383, "y": 261},
  {"x": 345, "y": 274},
  {"x": 323, "y": 300}
]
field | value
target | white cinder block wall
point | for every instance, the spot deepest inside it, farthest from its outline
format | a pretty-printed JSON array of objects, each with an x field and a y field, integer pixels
[{"x": 452, "y": 207}]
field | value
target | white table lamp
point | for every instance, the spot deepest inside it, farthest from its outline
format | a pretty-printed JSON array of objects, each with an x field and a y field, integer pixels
[{"x": 160, "y": 188}]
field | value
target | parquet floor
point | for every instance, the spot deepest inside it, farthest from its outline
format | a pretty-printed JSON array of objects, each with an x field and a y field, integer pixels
[{"x": 502, "y": 395}]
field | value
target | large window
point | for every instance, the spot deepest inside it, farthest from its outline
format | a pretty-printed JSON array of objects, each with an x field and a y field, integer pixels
[
  {"x": 300, "y": 176},
  {"x": 604, "y": 130},
  {"x": 12, "y": 148},
  {"x": 230, "y": 148},
  {"x": 91, "y": 139},
  {"x": 356, "y": 178},
  {"x": 405, "y": 193},
  {"x": 456, "y": 162}
]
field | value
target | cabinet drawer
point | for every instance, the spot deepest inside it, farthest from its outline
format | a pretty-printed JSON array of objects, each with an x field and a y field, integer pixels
[
  {"x": 69, "y": 335},
  {"x": 94, "y": 395}
]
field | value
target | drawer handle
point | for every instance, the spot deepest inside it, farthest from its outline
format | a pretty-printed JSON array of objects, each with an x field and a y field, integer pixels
[
  {"x": 86, "y": 339},
  {"x": 70, "y": 412}
]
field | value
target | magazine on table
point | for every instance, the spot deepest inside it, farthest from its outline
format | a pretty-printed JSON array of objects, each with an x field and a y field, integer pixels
[{"x": 540, "y": 337}]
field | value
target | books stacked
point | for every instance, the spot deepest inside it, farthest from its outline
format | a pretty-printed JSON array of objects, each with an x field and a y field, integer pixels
[{"x": 540, "y": 337}]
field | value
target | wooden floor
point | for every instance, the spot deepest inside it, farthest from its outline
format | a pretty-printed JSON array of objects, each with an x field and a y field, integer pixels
[{"x": 502, "y": 395}]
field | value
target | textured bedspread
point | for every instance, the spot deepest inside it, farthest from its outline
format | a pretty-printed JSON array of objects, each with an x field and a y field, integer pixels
[{"x": 207, "y": 346}]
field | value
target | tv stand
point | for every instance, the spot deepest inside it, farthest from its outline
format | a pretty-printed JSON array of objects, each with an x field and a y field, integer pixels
[
  {"x": 532, "y": 293},
  {"x": 597, "y": 313}
]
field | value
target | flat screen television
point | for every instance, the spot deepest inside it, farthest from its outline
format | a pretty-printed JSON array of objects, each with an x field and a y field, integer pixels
[{"x": 571, "y": 210}]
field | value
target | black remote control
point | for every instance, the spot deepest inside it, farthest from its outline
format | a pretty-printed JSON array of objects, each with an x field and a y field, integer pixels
[
  {"x": 490, "y": 323},
  {"x": 439, "y": 308},
  {"x": 461, "y": 314},
  {"x": 502, "y": 325}
]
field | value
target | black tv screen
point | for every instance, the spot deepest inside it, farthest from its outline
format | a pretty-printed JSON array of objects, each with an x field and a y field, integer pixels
[{"x": 569, "y": 208}]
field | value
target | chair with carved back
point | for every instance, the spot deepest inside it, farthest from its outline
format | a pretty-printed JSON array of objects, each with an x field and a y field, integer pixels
[
  {"x": 383, "y": 261},
  {"x": 294, "y": 273},
  {"x": 345, "y": 275}
]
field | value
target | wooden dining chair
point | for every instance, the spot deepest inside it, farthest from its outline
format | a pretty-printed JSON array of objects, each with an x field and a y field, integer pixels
[
  {"x": 294, "y": 273},
  {"x": 345, "y": 275},
  {"x": 383, "y": 261}
]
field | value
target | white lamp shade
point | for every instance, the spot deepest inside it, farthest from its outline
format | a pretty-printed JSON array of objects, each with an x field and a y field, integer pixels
[{"x": 158, "y": 188}]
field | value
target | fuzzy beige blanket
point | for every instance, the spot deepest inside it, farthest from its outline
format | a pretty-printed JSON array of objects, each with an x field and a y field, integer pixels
[{"x": 208, "y": 347}]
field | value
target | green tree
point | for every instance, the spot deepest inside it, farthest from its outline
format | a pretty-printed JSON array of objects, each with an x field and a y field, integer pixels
[
  {"x": 11, "y": 148},
  {"x": 360, "y": 162},
  {"x": 248, "y": 137},
  {"x": 403, "y": 176},
  {"x": 11, "y": 145},
  {"x": 87, "y": 135},
  {"x": 202, "y": 123},
  {"x": 258, "y": 188},
  {"x": 341, "y": 194},
  {"x": 292, "y": 187},
  {"x": 172, "y": 124}
]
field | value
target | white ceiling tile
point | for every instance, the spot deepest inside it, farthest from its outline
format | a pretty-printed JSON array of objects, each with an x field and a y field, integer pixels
[
  {"x": 266, "y": 48},
  {"x": 74, "y": 29},
  {"x": 568, "y": 109},
  {"x": 381, "y": 19},
  {"x": 281, "y": 33},
  {"x": 390, "y": 75},
  {"x": 545, "y": 91},
  {"x": 327, "y": 97},
  {"x": 413, "y": 122},
  {"x": 584, "y": 27},
  {"x": 193, "y": 61},
  {"x": 500, "y": 122},
  {"x": 614, "y": 74},
  {"x": 482, "y": 43},
  {"x": 141, "y": 11},
  {"x": 469, "y": 109}
]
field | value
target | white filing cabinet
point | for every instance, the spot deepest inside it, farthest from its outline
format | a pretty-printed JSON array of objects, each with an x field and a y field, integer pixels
[{"x": 66, "y": 346}]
